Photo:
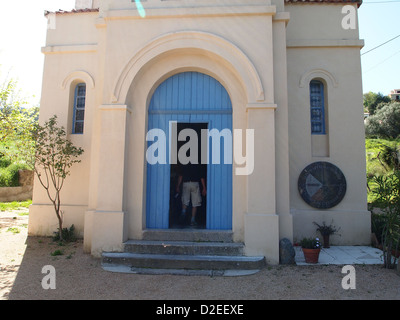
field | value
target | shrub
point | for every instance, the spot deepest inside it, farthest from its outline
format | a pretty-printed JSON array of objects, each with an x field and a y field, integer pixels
[
  {"x": 377, "y": 225},
  {"x": 57, "y": 252},
  {"x": 4, "y": 162},
  {"x": 67, "y": 235},
  {"x": 9, "y": 176}
]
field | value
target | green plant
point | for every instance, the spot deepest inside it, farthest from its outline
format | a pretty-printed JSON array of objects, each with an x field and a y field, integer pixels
[
  {"x": 377, "y": 225},
  {"x": 326, "y": 230},
  {"x": 14, "y": 230},
  {"x": 387, "y": 192},
  {"x": 68, "y": 235},
  {"x": 310, "y": 243},
  {"x": 382, "y": 157},
  {"x": 57, "y": 252},
  {"x": 4, "y": 161},
  {"x": 15, "y": 205}
]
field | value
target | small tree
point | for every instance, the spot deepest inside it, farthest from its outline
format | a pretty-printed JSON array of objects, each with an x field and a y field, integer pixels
[{"x": 53, "y": 158}]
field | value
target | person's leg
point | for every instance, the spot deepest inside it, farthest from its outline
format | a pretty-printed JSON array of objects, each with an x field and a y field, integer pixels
[
  {"x": 196, "y": 202},
  {"x": 193, "y": 219},
  {"x": 185, "y": 199}
]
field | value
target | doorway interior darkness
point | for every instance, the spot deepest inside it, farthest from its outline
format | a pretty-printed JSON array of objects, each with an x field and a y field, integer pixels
[{"x": 175, "y": 206}]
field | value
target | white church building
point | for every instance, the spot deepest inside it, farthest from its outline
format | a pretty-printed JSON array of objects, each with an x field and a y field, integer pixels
[{"x": 276, "y": 87}]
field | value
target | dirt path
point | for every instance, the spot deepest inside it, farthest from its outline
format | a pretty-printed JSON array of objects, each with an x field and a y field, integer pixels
[{"x": 79, "y": 276}]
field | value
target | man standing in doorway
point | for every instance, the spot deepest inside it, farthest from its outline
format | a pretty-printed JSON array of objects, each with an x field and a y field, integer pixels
[{"x": 191, "y": 175}]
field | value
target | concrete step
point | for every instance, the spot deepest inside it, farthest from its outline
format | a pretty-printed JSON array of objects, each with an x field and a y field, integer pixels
[
  {"x": 183, "y": 252},
  {"x": 193, "y": 235},
  {"x": 187, "y": 262},
  {"x": 184, "y": 248}
]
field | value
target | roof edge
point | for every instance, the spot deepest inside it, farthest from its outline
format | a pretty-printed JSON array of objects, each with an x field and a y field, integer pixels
[
  {"x": 72, "y": 11},
  {"x": 358, "y": 2}
]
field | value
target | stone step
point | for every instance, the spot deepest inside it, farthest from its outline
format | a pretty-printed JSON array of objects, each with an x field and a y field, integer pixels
[
  {"x": 193, "y": 235},
  {"x": 179, "y": 262},
  {"x": 184, "y": 248}
]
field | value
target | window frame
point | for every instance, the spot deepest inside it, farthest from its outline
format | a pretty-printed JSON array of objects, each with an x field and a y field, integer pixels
[
  {"x": 77, "y": 108},
  {"x": 320, "y": 108}
]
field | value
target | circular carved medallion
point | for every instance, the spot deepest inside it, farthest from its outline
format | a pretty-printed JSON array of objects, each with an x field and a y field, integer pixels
[{"x": 322, "y": 185}]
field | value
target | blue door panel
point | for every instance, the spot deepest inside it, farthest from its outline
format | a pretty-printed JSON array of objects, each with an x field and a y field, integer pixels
[{"x": 190, "y": 97}]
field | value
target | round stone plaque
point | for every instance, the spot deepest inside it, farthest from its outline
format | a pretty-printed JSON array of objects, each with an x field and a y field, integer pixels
[{"x": 322, "y": 185}]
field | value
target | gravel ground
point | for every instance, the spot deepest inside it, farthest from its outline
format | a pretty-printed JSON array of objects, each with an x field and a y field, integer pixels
[{"x": 79, "y": 276}]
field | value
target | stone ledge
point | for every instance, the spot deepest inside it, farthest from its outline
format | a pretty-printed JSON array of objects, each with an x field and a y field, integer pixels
[{"x": 9, "y": 194}]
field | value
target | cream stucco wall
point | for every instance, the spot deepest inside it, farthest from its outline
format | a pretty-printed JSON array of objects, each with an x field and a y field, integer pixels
[
  {"x": 331, "y": 54},
  {"x": 264, "y": 53}
]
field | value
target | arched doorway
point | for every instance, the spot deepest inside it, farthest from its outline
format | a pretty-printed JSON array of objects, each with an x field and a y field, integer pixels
[{"x": 196, "y": 102}]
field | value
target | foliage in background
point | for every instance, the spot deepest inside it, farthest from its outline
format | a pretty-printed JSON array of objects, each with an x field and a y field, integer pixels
[
  {"x": 9, "y": 176},
  {"x": 385, "y": 122},
  {"x": 16, "y": 120},
  {"x": 17, "y": 124},
  {"x": 381, "y": 159},
  {"x": 383, "y": 172},
  {"x": 373, "y": 101}
]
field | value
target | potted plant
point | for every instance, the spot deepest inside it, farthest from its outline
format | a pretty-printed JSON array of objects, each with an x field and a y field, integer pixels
[
  {"x": 311, "y": 248},
  {"x": 326, "y": 231}
]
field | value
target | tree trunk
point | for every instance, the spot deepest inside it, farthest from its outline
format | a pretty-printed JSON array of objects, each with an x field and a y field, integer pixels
[{"x": 57, "y": 204}]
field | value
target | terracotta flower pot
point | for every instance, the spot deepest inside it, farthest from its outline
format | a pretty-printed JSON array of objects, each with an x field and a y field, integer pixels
[{"x": 311, "y": 255}]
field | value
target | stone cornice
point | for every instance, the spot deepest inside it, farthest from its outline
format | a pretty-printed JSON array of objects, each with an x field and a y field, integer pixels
[
  {"x": 309, "y": 43},
  {"x": 75, "y": 48},
  {"x": 172, "y": 12}
]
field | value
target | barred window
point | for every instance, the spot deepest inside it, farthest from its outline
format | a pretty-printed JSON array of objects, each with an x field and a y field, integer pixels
[
  {"x": 79, "y": 109},
  {"x": 317, "y": 107}
]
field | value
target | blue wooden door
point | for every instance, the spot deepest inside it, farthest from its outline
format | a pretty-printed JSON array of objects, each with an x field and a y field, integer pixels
[{"x": 191, "y": 97}]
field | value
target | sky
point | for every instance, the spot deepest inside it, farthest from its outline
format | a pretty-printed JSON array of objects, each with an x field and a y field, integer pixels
[
  {"x": 23, "y": 33},
  {"x": 379, "y": 21}
]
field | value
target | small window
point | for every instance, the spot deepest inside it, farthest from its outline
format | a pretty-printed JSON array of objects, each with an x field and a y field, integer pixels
[
  {"x": 317, "y": 106},
  {"x": 79, "y": 109}
]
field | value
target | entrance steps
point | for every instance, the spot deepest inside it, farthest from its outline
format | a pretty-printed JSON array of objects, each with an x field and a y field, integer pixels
[{"x": 192, "y": 252}]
